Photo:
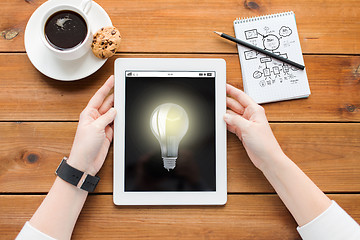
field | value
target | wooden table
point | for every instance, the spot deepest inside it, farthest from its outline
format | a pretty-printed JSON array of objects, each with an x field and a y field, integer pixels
[{"x": 38, "y": 118}]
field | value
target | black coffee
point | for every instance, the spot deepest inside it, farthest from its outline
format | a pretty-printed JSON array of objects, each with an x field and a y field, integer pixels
[{"x": 65, "y": 30}]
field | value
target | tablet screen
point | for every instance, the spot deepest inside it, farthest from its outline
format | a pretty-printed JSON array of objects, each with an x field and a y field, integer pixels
[{"x": 169, "y": 131}]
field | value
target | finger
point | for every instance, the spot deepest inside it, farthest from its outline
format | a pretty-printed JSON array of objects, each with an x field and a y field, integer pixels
[
  {"x": 255, "y": 113},
  {"x": 97, "y": 100},
  {"x": 234, "y": 105},
  {"x": 109, "y": 132},
  {"x": 107, "y": 104},
  {"x": 230, "y": 128},
  {"x": 229, "y": 111},
  {"x": 106, "y": 118},
  {"x": 239, "y": 95},
  {"x": 236, "y": 121}
]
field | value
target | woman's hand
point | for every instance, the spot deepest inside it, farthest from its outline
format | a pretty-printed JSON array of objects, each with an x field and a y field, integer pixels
[
  {"x": 248, "y": 121},
  {"x": 300, "y": 195},
  {"x": 94, "y": 132}
]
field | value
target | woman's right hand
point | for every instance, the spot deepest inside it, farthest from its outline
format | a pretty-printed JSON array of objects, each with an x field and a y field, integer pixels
[{"x": 248, "y": 121}]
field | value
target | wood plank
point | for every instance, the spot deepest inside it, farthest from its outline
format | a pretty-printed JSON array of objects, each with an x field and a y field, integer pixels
[
  {"x": 187, "y": 26},
  {"x": 243, "y": 217},
  {"x": 26, "y": 94},
  {"x": 328, "y": 153}
]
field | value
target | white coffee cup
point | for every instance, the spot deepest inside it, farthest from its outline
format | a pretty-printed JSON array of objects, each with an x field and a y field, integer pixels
[{"x": 84, "y": 47}]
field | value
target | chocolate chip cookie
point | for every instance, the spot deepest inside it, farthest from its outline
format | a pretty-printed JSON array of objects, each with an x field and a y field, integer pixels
[{"x": 105, "y": 42}]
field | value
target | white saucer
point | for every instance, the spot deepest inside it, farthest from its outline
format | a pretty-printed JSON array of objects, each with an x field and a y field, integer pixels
[{"x": 46, "y": 62}]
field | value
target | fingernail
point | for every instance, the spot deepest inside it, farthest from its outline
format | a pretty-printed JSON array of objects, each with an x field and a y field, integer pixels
[
  {"x": 226, "y": 116},
  {"x": 112, "y": 110}
]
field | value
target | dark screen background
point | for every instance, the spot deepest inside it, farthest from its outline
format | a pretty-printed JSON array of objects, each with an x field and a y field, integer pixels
[{"x": 195, "y": 166}]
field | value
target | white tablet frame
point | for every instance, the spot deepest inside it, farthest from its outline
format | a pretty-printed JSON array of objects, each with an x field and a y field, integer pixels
[{"x": 218, "y": 197}]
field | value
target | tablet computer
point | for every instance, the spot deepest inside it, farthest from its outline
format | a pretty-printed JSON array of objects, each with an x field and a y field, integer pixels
[{"x": 169, "y": 132}]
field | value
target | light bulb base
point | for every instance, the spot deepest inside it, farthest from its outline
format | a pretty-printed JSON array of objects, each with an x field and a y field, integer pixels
[{"x": 169, "y": 162}]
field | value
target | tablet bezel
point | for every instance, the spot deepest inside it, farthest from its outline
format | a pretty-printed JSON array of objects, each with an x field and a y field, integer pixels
[{"x": 218, "y": 197}]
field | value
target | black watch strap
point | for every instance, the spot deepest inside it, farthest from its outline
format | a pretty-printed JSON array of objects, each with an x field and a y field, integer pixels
[{"x": 76, "y": 177}]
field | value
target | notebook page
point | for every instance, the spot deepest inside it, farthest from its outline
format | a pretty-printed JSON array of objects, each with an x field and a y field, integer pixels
[{"x": 266, "y": 79}]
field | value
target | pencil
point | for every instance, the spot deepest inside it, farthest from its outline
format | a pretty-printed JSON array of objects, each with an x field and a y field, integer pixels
[{"x": 223, "y": 35}]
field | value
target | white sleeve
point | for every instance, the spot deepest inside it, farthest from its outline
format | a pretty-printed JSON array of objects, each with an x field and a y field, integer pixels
[
  {"x": 333, "y": 224},
  {"x": 28, "y": 232}
]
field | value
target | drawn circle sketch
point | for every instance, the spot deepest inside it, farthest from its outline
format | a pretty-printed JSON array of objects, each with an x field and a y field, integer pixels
[
  {"x": 271, "y": 42},
  {"x": 285, "y": 31},
  {"x": 257, "y": 74}
]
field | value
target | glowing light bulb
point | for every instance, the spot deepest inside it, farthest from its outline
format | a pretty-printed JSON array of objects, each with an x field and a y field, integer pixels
[{"x": 169, "y": 123}]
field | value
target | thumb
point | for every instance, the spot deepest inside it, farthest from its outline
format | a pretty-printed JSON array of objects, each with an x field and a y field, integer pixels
[
  {"x": 106, "y": 118},
  {"x": 236, "y": 121}
]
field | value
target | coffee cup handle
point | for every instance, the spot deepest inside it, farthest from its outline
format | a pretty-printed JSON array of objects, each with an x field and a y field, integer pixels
[{"x": 86, "y": 6}]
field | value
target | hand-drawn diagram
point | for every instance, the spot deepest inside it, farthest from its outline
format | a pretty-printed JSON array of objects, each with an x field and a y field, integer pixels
[{"x": 270, "y": 71}]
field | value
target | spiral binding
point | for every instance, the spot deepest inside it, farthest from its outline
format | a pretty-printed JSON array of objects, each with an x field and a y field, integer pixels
[{"x": 263, "y": 17}]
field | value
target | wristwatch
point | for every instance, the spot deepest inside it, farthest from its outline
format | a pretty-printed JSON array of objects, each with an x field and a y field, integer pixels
[{"x": 76, "y": 177}]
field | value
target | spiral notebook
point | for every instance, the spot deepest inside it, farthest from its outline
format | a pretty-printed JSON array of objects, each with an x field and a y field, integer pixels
[{"x": 266, "y": 79}]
